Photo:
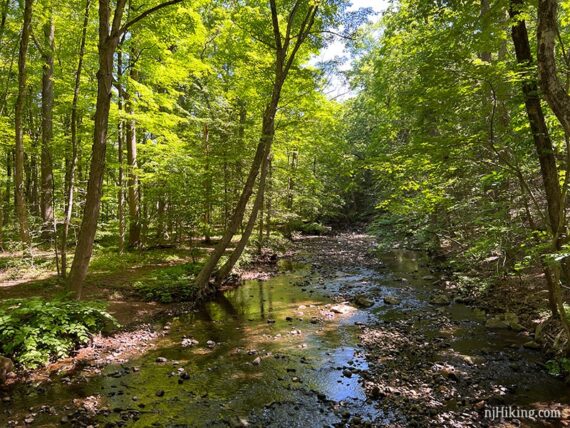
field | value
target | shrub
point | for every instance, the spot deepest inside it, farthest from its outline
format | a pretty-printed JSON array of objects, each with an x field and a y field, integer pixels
[
  {"x": 173, "y": 284},
  {"x": 34, "y": 332}
]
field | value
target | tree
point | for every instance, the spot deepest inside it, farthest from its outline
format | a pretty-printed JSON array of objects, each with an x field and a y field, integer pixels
[
  {"x": 287, "y": 42},
  {"x": 21, "y": 209},
  {"x": 111, "y": 28}
]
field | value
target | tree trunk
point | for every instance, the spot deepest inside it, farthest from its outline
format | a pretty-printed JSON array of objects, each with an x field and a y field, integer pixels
[
  {"x": 283, "y": 62},
  {"x": 120, "y": 144},
  {"x": 133, "y": 184},
  {"x": 207, "y": 184},
  {"x": 268, "y": 133},
  {"x": 47, "y": 184},
  {"x": 226, "y": 269},
  {"x": 71, "y": 167},
  {"x": 84, "y": 249},
  {"x": 21, "y": 210},
  {"x": 544, "y": 150},
  {"x": 554, "y": 91}
]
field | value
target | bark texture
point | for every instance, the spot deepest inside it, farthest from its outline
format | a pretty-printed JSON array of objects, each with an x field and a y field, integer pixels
[{"x": 20, "y": 199}]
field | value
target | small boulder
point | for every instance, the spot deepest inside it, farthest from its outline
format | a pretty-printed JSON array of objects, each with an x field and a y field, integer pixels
[
  {"x": 532, "y": 345},
  {"x": 391, "y": 300},
  {"x": 342, "y": 309},
  {"x": 187, "y": 342},
  {"x": 440, "y": 299},
  {"x": 496, "y": 323},
  {"x": 363, "y": 302}
]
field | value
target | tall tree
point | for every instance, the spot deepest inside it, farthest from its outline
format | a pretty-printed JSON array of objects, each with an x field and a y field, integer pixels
[
  {"x": 46, "y": 168},
  {"x": 21, "y": 210},
  {"x": 111, "y": 28},
  {"x": 72, "y": 159},
  {"x": 299, "y": 24}
]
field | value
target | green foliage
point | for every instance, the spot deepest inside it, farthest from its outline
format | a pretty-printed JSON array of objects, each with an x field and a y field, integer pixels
[
  {"x": 34, "y": 332},
  {"x": 173, "y": 284},
  {"x": 558, "y": 367},
  {"x": 307, "y": 228}
]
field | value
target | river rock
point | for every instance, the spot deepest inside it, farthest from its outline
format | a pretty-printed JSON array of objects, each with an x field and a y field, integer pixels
[
  {"x": 187, "y": 342},
  {"x": 532, "y": 345},
  {"x": 516, "y": 326},
  {"x": 342, "y": 309},
  {"x": 161, "y": 360},
  {"x": 391, "y": 300},
  {"x": 363, "y": 302},
  {"x": 257, "y": 361},
  {"x": 440, "y": 299},
  {"x": 496, "y": 323}
]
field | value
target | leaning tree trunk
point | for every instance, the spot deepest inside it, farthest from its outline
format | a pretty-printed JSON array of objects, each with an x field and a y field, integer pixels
[
  {"x": 546, "y": 156},
  {"x": 226, "y": 269},
  {"x": 284, "y": 59},
  {"x": 268, "y": 133},
  {"x": 21, "y": 210}
]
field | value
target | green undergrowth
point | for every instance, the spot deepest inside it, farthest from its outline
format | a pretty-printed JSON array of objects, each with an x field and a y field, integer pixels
[
  {"x": 34, "y": 332},
  {"x": 171, "y": 284},
  {"x": 558, "y": 367}
]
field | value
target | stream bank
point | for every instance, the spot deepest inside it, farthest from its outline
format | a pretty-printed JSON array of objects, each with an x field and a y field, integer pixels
[{"x": 342, "y": 336}]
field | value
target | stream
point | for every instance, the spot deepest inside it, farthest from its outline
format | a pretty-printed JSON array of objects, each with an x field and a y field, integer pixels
[{"x": 285, "y": 352}]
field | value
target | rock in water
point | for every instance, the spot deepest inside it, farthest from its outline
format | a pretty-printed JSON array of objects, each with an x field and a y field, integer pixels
[
  {"x": 342, "y": 309},
  {"x": 496, "y": 323},
  {"x": 363, "y": 301},
  {"x": 532, "y": 345},
  {"x": 440, "y": 299},
  {"x": 391, "y": 300}
]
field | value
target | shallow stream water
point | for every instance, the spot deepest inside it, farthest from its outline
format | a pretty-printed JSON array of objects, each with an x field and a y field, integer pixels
[{"x": 269, "y": 353}]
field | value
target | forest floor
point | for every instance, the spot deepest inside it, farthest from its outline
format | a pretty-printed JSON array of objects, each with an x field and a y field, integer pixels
[{"x": 431, "y": 358}]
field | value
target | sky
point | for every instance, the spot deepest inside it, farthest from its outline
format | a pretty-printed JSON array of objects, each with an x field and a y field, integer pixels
[{"x": 337, "y": 87}]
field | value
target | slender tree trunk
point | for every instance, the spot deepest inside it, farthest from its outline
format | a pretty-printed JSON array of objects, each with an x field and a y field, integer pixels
[
  {"x": 226, "y": 269},
  {"x": 120, "y": 144},
  {"x": 283, "y": 62},
  {"x": 110, "y": 31},
  {"x": 21, "y": 210},
  {"x": 133, "y": 182},
  {"x": 268, "y": 133},
  {"x": 70, "y": 172},
  {"x": 268, "y": 207},
  {"x": 8, "y": 191},
  {"x": 207, "y": 184},
  {"x": 47, "y": 184}
]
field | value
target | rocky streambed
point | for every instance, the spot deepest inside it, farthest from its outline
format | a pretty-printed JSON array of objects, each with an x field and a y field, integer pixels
[{"x": 342, "y": 336}]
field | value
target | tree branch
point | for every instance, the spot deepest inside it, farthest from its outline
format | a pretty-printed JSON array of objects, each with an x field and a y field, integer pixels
[
  {"x": 146, "y": 13},
  {"x": 276, "y": 30}
]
